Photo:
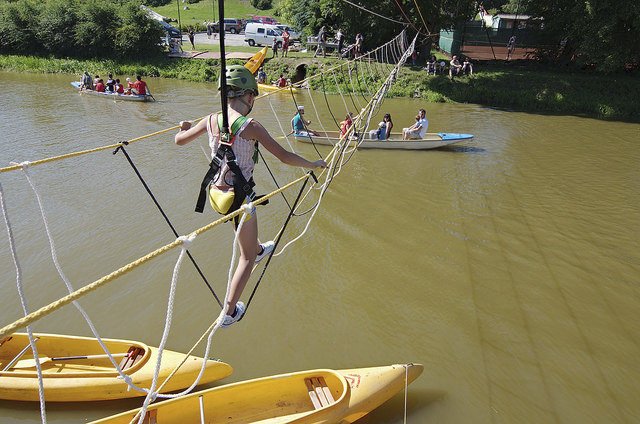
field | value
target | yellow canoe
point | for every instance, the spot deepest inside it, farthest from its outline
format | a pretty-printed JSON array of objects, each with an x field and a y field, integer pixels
[
  {"x": 76, "y": 368},
  {"x": 256, "y": 60},
  {"x": 267, "y": 87},
  {"x": 316, "y": 396}
]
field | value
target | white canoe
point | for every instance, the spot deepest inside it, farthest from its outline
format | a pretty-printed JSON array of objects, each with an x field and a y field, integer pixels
[
  {"x": 114, "y": 96},
  {"x": 430, "y": 141},
  {"x": 315, "y": 396},
  {"x": 75, "y": 368}
]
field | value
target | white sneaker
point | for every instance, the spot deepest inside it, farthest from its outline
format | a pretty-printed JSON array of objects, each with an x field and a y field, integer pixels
[
  {"x": 267, "y": 248},
  {"x": 232, "y": 319}
]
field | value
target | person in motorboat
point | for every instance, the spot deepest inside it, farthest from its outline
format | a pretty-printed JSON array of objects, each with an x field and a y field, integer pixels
[
  {"x": 418, "y": 130},
  {"x": 227, "y": 190},
  {"x": 384, "y": 129},
  {"x": 300, "y": 126}
]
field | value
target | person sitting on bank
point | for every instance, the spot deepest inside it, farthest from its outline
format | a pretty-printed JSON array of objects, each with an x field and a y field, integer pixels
[
  {"x": 299, "y": 126},
  {"x": 418, "y": 130},
  {"x": 138, "y": 87},
  {"x": 262, "y": 76},
  {"x": 432, "y": 63},
  {"x": 467, "y": 67},
  {"x": 455, "y": 68}
]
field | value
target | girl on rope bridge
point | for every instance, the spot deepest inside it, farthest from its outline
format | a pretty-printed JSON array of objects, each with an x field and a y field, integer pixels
[{"x": 225, "y": 196}]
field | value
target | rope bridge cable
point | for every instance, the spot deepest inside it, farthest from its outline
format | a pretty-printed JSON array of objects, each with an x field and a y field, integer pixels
[{"x": 164, "y": 215}]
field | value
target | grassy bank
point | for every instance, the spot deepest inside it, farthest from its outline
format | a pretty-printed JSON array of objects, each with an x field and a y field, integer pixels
[{"x": 527, "y": 88}]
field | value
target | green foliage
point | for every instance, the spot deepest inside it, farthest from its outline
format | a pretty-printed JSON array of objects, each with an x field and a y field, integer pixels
[
  {"x": 74, "y": 28},
  {"x": 601, "y": 35},
  {"x": 262, "y": 4},
  {"x": 18, "y": 26}
]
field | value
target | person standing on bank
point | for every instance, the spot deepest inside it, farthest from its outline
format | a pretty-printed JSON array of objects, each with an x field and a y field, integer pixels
[
  {"x": 192, "y": 38},
  {"x": 340, "y": 40},
  {"x": 224, "y": 192}
]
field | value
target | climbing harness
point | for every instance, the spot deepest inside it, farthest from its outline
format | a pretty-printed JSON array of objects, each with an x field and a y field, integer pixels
[{"x": 240, "y": 184}]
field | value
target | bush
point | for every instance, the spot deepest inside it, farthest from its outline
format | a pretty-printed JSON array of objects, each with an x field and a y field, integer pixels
[
  {"x": 74, "y": 28},
  {"x": 262, "y": 4}
]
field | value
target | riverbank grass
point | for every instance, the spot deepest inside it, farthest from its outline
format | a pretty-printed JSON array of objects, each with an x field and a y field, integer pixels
[{"x": 520, "y": 87}]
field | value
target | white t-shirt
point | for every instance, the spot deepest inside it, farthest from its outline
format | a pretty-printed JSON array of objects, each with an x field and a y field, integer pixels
[{"x": 424, "y": 122}]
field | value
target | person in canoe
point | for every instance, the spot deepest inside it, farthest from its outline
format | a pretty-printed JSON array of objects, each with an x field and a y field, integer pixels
[
  {"x": 299, "y": 126},
  {"x": 384, "y": 129},
  {"x": 225, "y": 191},
  {"x": 86, "y": 83},
  {"x": 346, "y": 124},
  {"x": 100, "y": 87},
  {"x": 138, "y": 87},
  {"x": 262, "y": 76},
  {"x": 417, "y": 130}
]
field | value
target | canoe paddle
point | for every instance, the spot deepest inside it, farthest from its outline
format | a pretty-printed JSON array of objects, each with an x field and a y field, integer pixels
[{"x": 31, "y": 363}]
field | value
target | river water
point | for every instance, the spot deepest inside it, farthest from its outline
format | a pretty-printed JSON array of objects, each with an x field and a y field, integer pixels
[{"x": 509, "y": 266}]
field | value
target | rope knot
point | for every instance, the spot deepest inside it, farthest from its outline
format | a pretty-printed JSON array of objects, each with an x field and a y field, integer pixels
[
  {"x": 248, "y": 208},
  {"x": 24, "y": 165},
  {"x": 187, "y": 240}
]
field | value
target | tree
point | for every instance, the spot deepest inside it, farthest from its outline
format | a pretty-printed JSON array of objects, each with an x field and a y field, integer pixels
[{"x": 599, "y": 34}]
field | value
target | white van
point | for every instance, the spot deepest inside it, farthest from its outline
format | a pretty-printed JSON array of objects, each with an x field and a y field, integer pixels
[{"x": 259, "y": 34}]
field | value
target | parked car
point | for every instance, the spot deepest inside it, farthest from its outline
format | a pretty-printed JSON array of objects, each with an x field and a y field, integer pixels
[
  {"x": 234, "y": 26},
  {"x": 258, "y": 34},
  {"x": 294, "y": 34},
  {"x": 265, "y": 19}
]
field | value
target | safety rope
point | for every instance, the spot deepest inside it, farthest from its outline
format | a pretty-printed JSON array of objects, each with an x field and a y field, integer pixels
[
  {"x": 25, "y": 308},
  {"x": 164, "y": 215}
]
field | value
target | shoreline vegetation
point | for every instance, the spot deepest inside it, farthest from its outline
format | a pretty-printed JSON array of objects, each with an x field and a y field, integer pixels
[{"x": 514, "y": 86}]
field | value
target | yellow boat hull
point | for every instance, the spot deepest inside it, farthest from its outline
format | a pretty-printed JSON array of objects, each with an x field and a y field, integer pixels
[
  {"x": 93, "y": 379},
  {"x": 256, "y": 60},
  {"x": 286, "y": 398},
  {"x": 270, "y": 88}
]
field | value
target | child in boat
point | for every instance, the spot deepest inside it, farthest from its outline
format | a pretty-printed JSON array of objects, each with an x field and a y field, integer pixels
[
  {"x": 418, "y": 130},
  {"x": 224, "y": 195},
  {"x": 346, "y": 124},
  {"x": 100, "y": 87}
]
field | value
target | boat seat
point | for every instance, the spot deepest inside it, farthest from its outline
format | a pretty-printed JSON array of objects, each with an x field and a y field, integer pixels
[
  {"x": 319, "y": 393},
  {"x": 133, "y": 354}
]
